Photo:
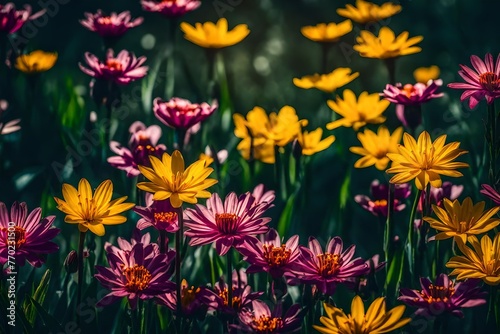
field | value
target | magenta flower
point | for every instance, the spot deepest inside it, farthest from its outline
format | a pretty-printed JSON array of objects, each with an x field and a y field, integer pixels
[
  {"x": 444, "y": 296},
  {"x": 270, "y": 254},
  {"x": 380, "y": 194},
  {"x": 326, "y": 269},
  {"x": 491, "y": 193},
  {"x": 136, "y": 270},
  {"x": 364, "y": 284},
  {"x": 411, "y": 95},
  {"x": 260, "y": 319},
  {"x": 110, "y": 26},
  {"x": 11, "y": 20},
  {"x": 182, "y": 114},
  {"x": 142, "y": 144},
  {"x": 158, "y": 214},
  {"x": 122, "y": 70},
  {"x": 170, "y": 8},
  {"x": 29, "y": 234},
  {"x": 227, "y": 224},
  {"x": 481, "y": 82}
]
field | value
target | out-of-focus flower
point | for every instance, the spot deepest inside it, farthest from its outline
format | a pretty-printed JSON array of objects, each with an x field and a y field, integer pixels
[
  {"x": 142, "y": 144},
  {"x": 366, "y": 12},
  {"x": 209, "y": 156},
  {"x": 170, "y": 8},
  {"x": 122, "y": 70},
  {"x": 110, "y": 26},
  {"x": 481, "y": 82},
  {"x": 327, "y": 33},
  {"x": 386, "y": 44},
  {"x": 462, "y": 220},
  {"x": 158, "y": 214},
  {"x": 376, "y": 320},
  {"x": 410, "y": 95},
  {"x": 12, "y": 19},
  {"x": 480, "y": 262},
  {"x": 327, "y": 269},
  {"x": 491, "y": 193},
  {"x": 443, "y": 296},
  {"x": 424, "y": 74},
  {"x": 214, "y": 35},
  {"x": 260, "y": 319},
  {"x": 29, "y": 235},
  {"x": 36, "y": 62},
  {"x": 329, "y": 82},
  {"x": 424, "y": 160},
  {"x": 169, "y": 179},
  {"x": 376, "y": 146},
  {"x": 311, "y": 143},
  {"x": 182, "y": 114},
  {"x": 9, "y": 127},
  {"x": 227, "y": 224},
  {"x": 139, "y": 271},
  {"x": 357, "y": 112},
  {"x": 380, "y": 194},
  {"x": 92, "y": 212},
  {"x": 366, "y": 284},
  {"x": 448, "y": 190}
]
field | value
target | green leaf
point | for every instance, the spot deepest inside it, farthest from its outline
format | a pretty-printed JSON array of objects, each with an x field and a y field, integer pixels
[
  {"x": 286, "y": 215},
  {"x": 49, "y": 321},
  {"x": 38, "y": 295},
  {"x": 344, "y": 190},
  {"x": 394, "y": 274}
]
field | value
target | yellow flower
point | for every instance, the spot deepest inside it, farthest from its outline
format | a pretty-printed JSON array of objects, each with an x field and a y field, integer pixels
[
  {"x": 386, "y": 45},
  {"x": 425, "y": 161},
  {"x": 376, "y": 146},
  {"x": 366, "y": 12},
  {"x": 462, "y": 220},
  {"x": 376, "y": 320},
  {"x": 36, "y": 62},
  {"x": 214, "y": 36},
  {"x": 169, "y": 179},
  {"x": 481, "y": 262},
  {"x": 424, "y": 74},
  {"x": 327, "y": 33},
  {"x": 367, "y": 109},
  {"x": 311, "y": 142},
  {"x": 92, "y": 212},
  {"x": 327, "y": 82}
]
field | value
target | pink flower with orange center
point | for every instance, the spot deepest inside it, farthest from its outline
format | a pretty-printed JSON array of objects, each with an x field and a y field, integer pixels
[
  {"x": 11, "y": 20},
  {"x": 170, "y": 8},
  {"x": 158, "y": 214},
  {"x": 109, "y": 26},
  {"x": 182, "y": 114}
]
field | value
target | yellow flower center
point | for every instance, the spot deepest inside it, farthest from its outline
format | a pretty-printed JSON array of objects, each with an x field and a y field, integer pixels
[
  {"x": 162, "y": 218},
  {"x": 89, "y": 211},
  {"x": 236, "y": 300},
  {"x": 492, "y": 267},
  {"x": 114, "y": 64},
  {"x": 489, "y": 80},
  {"x": 265, "y": 324},
  {"x": 226, "y": 222},
  {"x": 138, "y": 278},
  {"x": 150, "y": 149},
  {"x": 329, "y": 264},
  {"x": 438, "y": 293},
  {"x": 408, "y": 90},
  {"x": 276, "y": 256},
  {"x": 188, "y": 295},
  {"x": 106, "y": 20},
  {"x": 19, "y": 238}
]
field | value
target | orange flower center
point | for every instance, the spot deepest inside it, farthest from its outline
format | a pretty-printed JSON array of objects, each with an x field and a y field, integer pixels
[
  {"x": 329, "y": 264},
  {"x": 276, "y": 256},
  {"x": 148, "y": 148},
  {"x": 226, "y": 222},
  {"x": 236, "y": 300},
  {"x": 19, "y": 236},
  {"x": 138, "y": 278},
  {"x": 408, "y": 90},
  {"x": 106, "y": 20},
  {"x": 438, "y": 293},
  {"x": 167, "y": 218},
  {"x": 377, "y": 204},
  {"x": 489, "y": 81},
  {"x": 114, "y": 64},
  {"x": 265, "y": 324},
  {"x": 188, "y": 295}
]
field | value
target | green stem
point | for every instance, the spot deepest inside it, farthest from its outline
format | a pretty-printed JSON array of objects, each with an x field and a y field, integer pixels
[
  {"x": 81, "y": 243},
  {"x": 229, "y": 256},
  {"x": 180, "y": 137},
  {"x": 493, "y": 141},
  {"x": 178, "y": 247},
  {"x": 411, "y": 227},
  {"x": 163, "y": 236},
  {"x": 325, "y": 50},
  {"x": 134, "y": 319},
  {"x": 390, "y": 63},
  {"x": 389, "y": 225},
  {"x": 491, "y": 317}
]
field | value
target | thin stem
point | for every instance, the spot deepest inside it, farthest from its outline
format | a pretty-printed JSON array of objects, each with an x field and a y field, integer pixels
[
  {"x": 81, "y": 243},
  {"x": 163, "y": 236},
  {"x": 134, "y": 319},
  {"x": 178, "y": 247},
  {"x": 411, "y": 227},
  {"x": 325, "y": 50},
  {"x": 180, "y": 137},
  {"x": 493, "y": 142},
  {"x": 230, "y": 278},
  {"x": 390, "y": 63},
  {"x": 389, "y": 224}
]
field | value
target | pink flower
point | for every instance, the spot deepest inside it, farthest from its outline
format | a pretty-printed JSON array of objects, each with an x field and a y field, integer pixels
[
  {"x": 410, "y": 95},
  {"x": 9, "y": 127},
  {"x": 182, "y": 114},
  {"x": 29, "y": 234},
  {"x": 143, "y": 143},
  {"x": 11, "y": 20},
  {"x": 122, "y": 70},
  {"x": 114, "y": 25},
  {"x": 378, "y": 204},
  {"x": 170, "y": 8},
  {"x": 481, "y": 82},
  {"x": 490, "y": 192},
  {"x": 158, "y": 214}
]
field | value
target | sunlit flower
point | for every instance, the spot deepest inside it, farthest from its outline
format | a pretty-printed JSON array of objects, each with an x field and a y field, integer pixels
[
  {"x": 376, "y": 320},
  {"x": 158, "y": 214},
  {"x": 311, "y": 143},
  {"x": 327, "y": 33},
  {"x": 27, "y": 235},
  {"x": 143, "y": 143},
  {"x": 122, "y": 70},
  {"x": 386, "y": 44},
  {"x": 357, "y": 112},
  {"x": 214, "y": 36},
  {"x": 113, "y": 25},
  {"x": 182, "y": 114},
  {"x": 36, "y": 62},
  {"x": 443, "y": 296},
  {"x": 424, "y": 160},
  {"x": 376, "y": 146},
  {"x": 209, "y": 156},
  {"x": 327, "y": 82},
  {"x": 170, "y": 8},
  {"x": 327, "y": 268},
  {"x": 491, "y": 193},
  {"x": 366, "y": 12},
  {"x": 378, "y": 204},
  {"x": 227, "y": 223},
  {"x": 169, "y": 179},
  {"x": 92, "y": 212},
  {"x": 424, "y": 74},
  {"x": 481, "y": 82},
  {"x": 260, "y": 319},
  {"x": 11, "y": 20},
  {"x": 483, "y": 261}
]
